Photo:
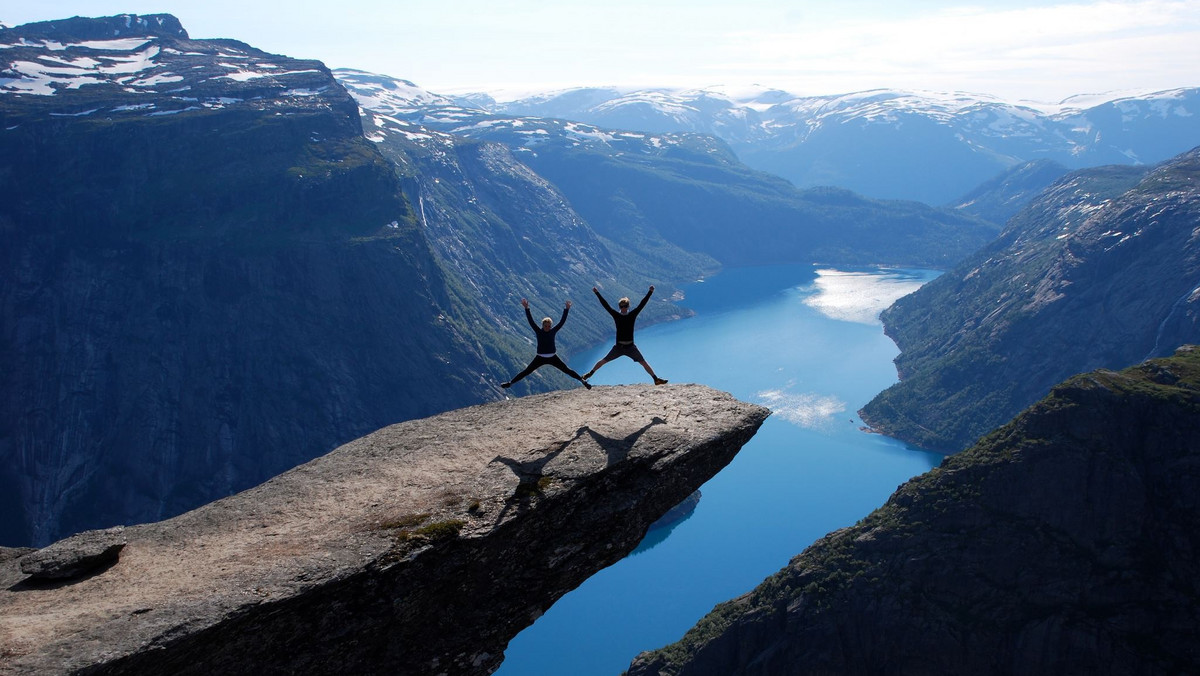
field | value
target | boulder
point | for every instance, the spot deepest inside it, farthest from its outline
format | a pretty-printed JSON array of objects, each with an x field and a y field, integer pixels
[{"x": 75, "y": 556}]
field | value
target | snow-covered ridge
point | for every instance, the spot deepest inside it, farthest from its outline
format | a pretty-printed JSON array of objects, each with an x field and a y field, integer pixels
[
  {"x": 761, "y": 98},
  {"x": 401, "y": 107},
  {"x": 924, "y": 145},
  {"x": 133, "y": 63},
  {"x": 760, "y": 109},
  {"x": 388, "y": 95},
  {"x": 159, "y": 71}
]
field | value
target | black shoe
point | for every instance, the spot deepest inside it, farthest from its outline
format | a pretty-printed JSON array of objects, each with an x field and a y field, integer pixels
[
  {"x": 660, "y": 381},
  {"x": 586, "y": 384},
  {"x": 506, "y": 385},
  {"x": 587, "y": 375}
]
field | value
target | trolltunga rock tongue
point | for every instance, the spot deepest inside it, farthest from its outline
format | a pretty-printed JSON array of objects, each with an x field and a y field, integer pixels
[{"x": 422, "y": 548}]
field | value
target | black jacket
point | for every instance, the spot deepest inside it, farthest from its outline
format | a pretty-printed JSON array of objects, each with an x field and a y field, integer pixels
[
  {"x": 545, "y": 339},
  {"x": 624, "y": 321}
]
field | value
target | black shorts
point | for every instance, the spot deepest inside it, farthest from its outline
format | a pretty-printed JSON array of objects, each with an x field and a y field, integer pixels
[{"x": 620, "y": 350}]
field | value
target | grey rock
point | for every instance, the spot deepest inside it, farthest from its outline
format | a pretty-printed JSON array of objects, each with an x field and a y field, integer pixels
[
  {"x": 75, "y": 556},
  {"x": 8, "y": 553},
  {"x": 422, "y": 548}
]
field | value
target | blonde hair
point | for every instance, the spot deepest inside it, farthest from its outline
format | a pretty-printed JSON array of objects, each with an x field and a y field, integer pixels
[
  {"x": 547, "y": 320},
  {"x": 623, "y": 301}
]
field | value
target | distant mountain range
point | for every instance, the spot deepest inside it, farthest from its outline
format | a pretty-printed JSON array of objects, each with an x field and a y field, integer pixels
[
  {"x": 660, "y": 192},
  {"x": 923, "y": 146}
]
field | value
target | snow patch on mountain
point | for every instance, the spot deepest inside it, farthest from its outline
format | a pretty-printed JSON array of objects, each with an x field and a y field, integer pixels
[
  {"x": 388, "y": 95},
  {"x": 149, "y": 74}
]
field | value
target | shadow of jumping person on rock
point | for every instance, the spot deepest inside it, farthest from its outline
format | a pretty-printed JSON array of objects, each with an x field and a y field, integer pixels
[
  {"x": 531, "y": 477},
  {"x": 617, "y": 450}
]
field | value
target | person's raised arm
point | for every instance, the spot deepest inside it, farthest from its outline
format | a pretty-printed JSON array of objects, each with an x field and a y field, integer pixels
[
  {"x": 602, "y": 301},
  {"x": 529, "y": 315},
  {"x": 643, "y": 303},
  {"x": 566, "y": 309}
]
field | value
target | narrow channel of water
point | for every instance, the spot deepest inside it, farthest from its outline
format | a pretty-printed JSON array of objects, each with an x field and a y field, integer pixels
[{"x": 805, "y": 342}]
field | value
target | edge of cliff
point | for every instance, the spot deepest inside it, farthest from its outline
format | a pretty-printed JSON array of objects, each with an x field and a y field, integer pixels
[{"x": 421, "y": 548}]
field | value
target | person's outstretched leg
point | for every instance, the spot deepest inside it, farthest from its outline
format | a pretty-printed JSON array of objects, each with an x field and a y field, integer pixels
[
  {"x": 595, "y": 368},
  {"x": 559, "y": 364},
  {"x": 657, "y": 380},
  {"x": 537, "y": 361}
]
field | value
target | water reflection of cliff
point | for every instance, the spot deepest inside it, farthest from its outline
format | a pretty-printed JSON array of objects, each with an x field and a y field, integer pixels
[{"x": 660, "y": 530}]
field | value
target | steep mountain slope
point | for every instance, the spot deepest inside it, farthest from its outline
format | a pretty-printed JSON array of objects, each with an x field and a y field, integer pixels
[
  {"x": 1000, "y": 198},
  {"x": 655, "y": 193},
  {"x": 208, "y": 276},
  {"x": 1101, "y": 271},
  {"x": 1063, "y": 543},
  {"x": 507, "y": 233},
  {"x": 922, "y": 146}
]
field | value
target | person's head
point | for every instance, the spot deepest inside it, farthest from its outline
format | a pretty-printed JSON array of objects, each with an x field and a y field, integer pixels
[
  {"x": 547, "y": 323},
  {"x": 623, "y": 304}
]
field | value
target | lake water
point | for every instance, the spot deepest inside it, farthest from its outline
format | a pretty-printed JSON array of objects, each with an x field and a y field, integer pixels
[{"x": 806, "y": 343}]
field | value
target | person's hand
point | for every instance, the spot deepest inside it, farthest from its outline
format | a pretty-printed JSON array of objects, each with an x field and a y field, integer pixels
[
  {"x": 568, "y": 305},
  {"x": 595, "y": 290},
  {"x": 525, "y": 303},
  {"x": 651, "y": 288}
]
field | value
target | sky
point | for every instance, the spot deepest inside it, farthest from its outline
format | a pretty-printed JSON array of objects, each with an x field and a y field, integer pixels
[{"x": 1013, "y": 49}]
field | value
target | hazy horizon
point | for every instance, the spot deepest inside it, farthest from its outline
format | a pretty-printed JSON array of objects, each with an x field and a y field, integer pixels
[{"x": 1019, "y": 50}]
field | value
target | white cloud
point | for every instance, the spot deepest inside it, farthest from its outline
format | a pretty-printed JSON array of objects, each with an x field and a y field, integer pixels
[{"x": 1033, "y": 52}]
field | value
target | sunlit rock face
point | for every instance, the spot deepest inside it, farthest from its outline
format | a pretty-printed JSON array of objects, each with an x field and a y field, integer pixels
[{"x": 422, "y": 548}]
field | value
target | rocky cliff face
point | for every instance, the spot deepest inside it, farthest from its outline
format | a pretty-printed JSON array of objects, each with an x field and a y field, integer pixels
[
  {"x": 419, "y": 549},
  {"x": 507, "y": 233},
  {"x": 208, "y": 276},
  {"x": 1064, "y": 543},
  {"x": 1101, "y": 271}
]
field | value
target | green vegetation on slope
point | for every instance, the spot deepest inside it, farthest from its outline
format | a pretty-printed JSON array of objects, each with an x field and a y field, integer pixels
[
  {"x": 1061, "y": 541},
  {"x": 1097, "y": 272}
]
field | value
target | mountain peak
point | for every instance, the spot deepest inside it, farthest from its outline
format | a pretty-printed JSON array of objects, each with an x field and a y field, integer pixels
[
  {"x": 133, "y": 65},
  {"x": 99, "y": 28}
]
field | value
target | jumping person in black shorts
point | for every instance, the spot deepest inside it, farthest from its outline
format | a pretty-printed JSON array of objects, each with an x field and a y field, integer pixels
[
  {"x": 624, "y": 345},
  {"x": 546, "y": 353}
]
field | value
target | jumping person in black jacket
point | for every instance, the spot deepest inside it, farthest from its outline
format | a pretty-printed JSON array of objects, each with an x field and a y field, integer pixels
[
  {"x": 546, "y": 354},
  {"x": 624, "y": 344}
]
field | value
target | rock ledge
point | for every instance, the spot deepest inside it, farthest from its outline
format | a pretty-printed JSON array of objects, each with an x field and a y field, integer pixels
[{"x": 422, "y": 548}]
